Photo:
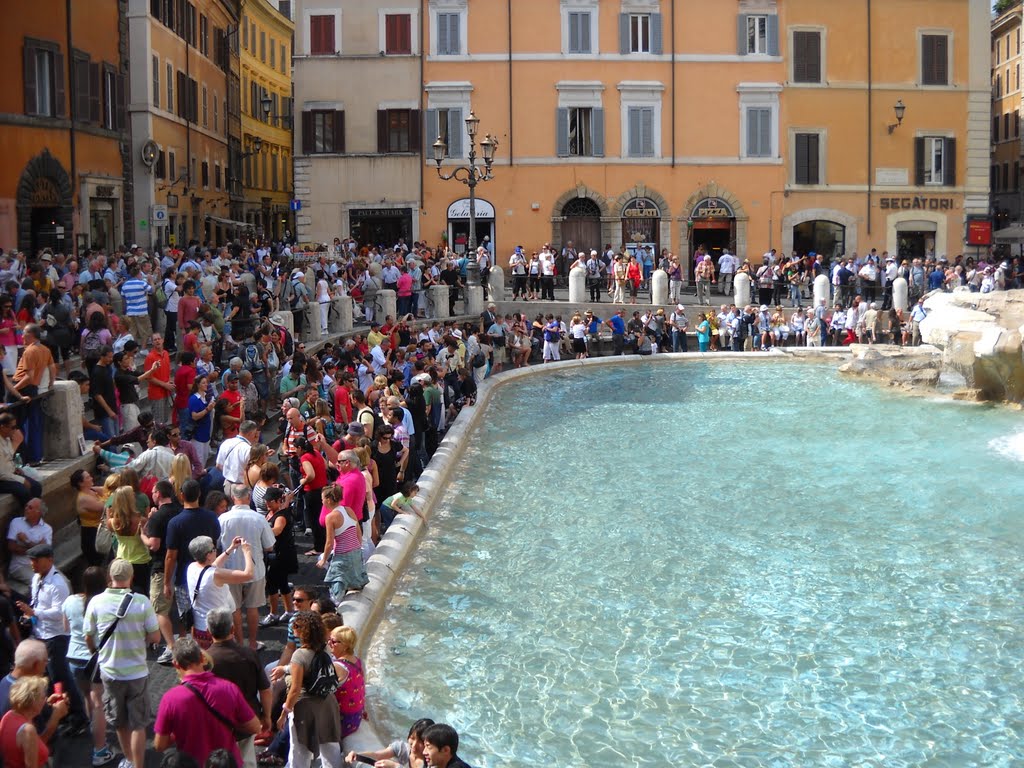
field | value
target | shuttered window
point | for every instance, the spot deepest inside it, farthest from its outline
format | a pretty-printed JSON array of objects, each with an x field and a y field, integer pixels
[
  {"x": 321, "y": 36},
  {"x": 640, "y": 33},
  {"x": 934, "y": 60},
  {"x": 580, "y": 132},
  {"x": 806, "y": 56},
  {"x": 156, "y": 82},
  {"x": 641, "y": 132},
  {"x": 323, "y": 131},
  {"x": 757, "y": 34},
  {"x": 806, "y": 160},
  {"x": 444, "y": 124},
  {"x": 934, "y": 161},
  {"x": 449, "y": 40},
  {"x": 759, "y": 132},
  {"x": 398, "y": 130},
  {"x": 80, "y": 86},
  {"x": 43, "y": 79},
  {"x": 579, "y": 31},
  {"x": 398, "y": 33}
]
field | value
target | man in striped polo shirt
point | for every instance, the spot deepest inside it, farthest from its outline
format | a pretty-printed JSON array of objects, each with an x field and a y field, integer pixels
[
  {"x": 122, "y": 660},
  {"x": 134, "y": 291}
]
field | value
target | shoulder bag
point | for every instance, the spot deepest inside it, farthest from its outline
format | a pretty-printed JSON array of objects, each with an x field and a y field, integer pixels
[
  {"x": 104, "y": 536},
  {"x": 188, "y": 618},
  {"x": 92, "y": 666},
  {"x": 236, "y": 734}
]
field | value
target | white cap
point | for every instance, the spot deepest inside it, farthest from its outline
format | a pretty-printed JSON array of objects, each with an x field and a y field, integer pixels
[{"x": 680, "y": 308}]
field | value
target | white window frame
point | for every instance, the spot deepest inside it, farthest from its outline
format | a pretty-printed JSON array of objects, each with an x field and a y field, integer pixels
[
  {"x": 755, "y": 96},
  {"x": 450, "y": 95},
  {"x": 583, "y": 94},
  {"x": 414, "y": 28},
  {"x": 581, "y": 6},
  {"x": 760, "y": 18},
  {"x": 637, "y": 21},
  {"x": 929, "y": 154},
  {"x": 307, "y": 16},
  {"x": 822, "y": 134},
  {"x": 950, "y": 41},
  {"x": 460, "y": 7},
  {"x": 639, "y": 93}
]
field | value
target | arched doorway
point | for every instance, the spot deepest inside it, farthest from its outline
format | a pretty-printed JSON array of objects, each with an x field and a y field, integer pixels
[
  {"x": 641, "y": 226},
  {"x": 44, "y": 201},
  {"x": 820, "y": 236},
  {"x": 581, "y": 224},
  {"x": 713, "y": 228}
]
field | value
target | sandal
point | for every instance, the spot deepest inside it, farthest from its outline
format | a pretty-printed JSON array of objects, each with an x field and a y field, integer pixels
[{"x": 269, "y": 758}]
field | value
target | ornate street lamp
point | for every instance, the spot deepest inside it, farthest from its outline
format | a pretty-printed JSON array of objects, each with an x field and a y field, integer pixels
[{"x": 470, "y": 175}]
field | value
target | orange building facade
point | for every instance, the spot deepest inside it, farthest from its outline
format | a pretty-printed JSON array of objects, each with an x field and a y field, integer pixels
[
  {"x": 748, "y": 125},
  {"x": 63, "y": 126}
]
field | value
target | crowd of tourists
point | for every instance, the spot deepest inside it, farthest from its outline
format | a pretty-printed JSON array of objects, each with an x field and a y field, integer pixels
[{"x": 190, "y": 520}]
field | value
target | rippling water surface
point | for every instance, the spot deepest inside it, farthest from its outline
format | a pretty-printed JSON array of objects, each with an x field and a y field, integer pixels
[{"x": 719, "y": 564}]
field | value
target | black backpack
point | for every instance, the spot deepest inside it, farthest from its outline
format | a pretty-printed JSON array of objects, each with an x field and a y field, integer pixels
[{"x": 323, "y": 677}]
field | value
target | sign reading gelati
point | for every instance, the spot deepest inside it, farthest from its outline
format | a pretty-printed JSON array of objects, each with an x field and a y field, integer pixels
[
  {"x": 979, "y": 232},
  {"x": 712, "y": 208},
  {"x": 917, "y": 203},
  {"x": 641, "y": 208},
  {"x": 460, "y": 209}
]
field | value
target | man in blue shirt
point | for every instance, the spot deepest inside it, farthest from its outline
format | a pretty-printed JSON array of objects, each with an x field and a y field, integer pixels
[
  {"x": 135, "y": 291},
  {"x": 618, "y": 326}
]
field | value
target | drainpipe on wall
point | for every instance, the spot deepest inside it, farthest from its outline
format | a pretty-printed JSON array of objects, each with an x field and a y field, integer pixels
[
  {"x": 71, "y": 134},
  {"x": 870, "y": 116},
  {"x": 672, "y": 43},
  {"x": 423, "y": 114},
  {"x": 511, "y": 153}
]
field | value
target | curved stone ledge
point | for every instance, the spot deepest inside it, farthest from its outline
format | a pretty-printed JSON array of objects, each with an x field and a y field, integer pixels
[{"x": 364, "y": 611}]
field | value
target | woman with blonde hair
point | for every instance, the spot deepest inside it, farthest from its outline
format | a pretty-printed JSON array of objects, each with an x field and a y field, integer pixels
[
  {"x": 377, "y": 390},
  {"x": 368, "y": 516},
  {"x": 128, "y": 526},
  {"x": 181, "y": 471},
  {"x": 21, "y": 745},
  {"x": 342, "y": 556}
]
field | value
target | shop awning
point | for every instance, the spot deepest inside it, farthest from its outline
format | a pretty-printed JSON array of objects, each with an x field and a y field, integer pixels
[
  {"x": 229, "y": 222},
  {"x": 1011, "y": 234}
]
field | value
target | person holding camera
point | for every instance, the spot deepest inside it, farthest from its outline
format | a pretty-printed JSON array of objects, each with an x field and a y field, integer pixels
[{"x": 208, "y": 581}]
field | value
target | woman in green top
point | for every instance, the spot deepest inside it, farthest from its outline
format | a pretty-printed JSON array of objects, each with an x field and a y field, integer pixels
[
  {"x": 128, "y": 526},
  {"x": 399, "y": 503}
]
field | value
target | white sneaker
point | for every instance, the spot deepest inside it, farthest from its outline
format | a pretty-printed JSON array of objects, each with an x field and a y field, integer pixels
[{"x": 125, "y": 763}]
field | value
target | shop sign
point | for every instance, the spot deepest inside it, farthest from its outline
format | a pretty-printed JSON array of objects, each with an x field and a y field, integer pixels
[
  {"x": 712, "y": 208},
  {"x": 106, "y": 190},
  {"x": 979, "y": 232},
  {"x": 641, "y": 208},
  {"x": 917, "y": 203},
  {"x": 384, "y": 213},
  {"x": 45, "y": 194},
  {"x": 460, "y": 209}
]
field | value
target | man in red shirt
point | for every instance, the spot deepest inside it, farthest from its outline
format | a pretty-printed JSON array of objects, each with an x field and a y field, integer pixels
[
  {"x": 342, "y": 398},
  {"x": 183, "y": 378},
  {"x": 160, "y": 389},
  {"x": 236, "y": 407}
]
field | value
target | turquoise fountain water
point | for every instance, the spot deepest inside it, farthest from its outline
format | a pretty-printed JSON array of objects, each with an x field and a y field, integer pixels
[{"x": 719, "y": 564}]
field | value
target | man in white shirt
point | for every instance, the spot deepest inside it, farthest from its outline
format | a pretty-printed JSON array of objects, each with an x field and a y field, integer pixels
[
  {"x": 45, "y": 611},
  {"x": 727, "y": 266},
  {"x": 233, "y": 455},
  {"x": 379, "y": 356},
  {"x": 23, "y": 534},
  {"x": 547, "y": 275},
  {"x": 242, "y": 520},
  {"x": 157, "y": 458}
]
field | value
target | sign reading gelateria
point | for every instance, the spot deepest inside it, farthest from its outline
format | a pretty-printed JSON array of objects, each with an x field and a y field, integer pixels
[
  {"x": 460, "y": 209},
  {"x": 712, "y": 208},
  {"x": 641, "y": 208},
  {"x": 917, "y": 203}
]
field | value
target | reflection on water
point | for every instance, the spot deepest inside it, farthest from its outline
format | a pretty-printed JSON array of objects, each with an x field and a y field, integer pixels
[{"x": 728, "y": 564}]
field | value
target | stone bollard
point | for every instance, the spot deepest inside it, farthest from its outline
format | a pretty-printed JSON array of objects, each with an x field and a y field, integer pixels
[
  {"x": 437, "y": 302},
  {"x": 311, "y": 323},
  {"x": 822, "y": 289},
  {"x": 62, "y": 421},
  {"x": 339, "y": 318},
  {"x": 900, "y": 294},
  {"x": 474, "y": 299},
  {"x": 577, "y": 285},
  {"x": 387, "y": 301},
  {"x": 659, "y": 287},
  {"x": 496, "y": 283},
  {"x": 741, "y": 289}
]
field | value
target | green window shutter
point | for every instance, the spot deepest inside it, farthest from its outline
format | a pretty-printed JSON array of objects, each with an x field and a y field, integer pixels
[
  {"x": 741, "y": 34},
  {"x": 634, "y": 146},
  {"x": 773, "y": 35},
  {"x": 562, "y": 132},
  {"x": 455, "y": 130},
  {"x": 656, "y": 34},
  {"x": 430, "y": 134},
  {"x": 597, "y": 131},
  {"x": 624, "y": 40}
]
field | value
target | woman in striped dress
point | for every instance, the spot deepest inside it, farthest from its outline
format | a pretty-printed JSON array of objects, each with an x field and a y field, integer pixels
[{"x": 342, "y": 548}]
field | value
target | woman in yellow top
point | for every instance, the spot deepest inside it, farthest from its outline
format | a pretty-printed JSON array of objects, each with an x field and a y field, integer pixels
[
  {"x": 89, "y": 506},
  {"x": 132, "y": 542}
]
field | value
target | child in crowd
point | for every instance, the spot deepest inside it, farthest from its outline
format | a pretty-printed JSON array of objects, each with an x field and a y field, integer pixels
[
  {"x": 399, "y": 503},
  {"x": 351, "y": 695}
]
